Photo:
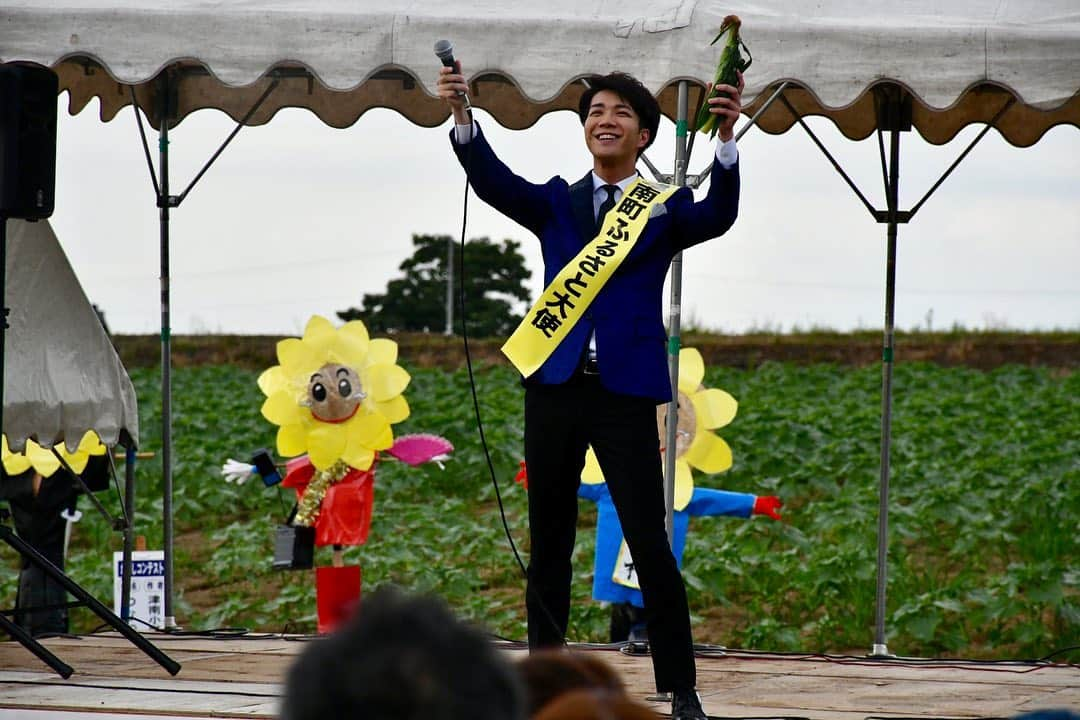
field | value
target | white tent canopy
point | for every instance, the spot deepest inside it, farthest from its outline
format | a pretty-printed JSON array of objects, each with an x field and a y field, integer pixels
[
  {"x": 340, "y": 59},
  {"x": 62, "y": 375},
  {"x": 867, "y": 65}
]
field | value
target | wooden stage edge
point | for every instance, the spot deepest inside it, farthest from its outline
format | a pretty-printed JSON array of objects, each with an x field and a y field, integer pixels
[{"x": 241, "y": 677}]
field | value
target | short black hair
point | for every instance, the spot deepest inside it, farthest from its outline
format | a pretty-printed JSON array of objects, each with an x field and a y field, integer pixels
[
  {"x": 633, "y": 92},
  {"x": 402, "y": 658}
]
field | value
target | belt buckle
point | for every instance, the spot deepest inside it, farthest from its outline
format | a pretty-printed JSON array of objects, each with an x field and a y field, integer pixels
[{"x": 590, "y": 368}]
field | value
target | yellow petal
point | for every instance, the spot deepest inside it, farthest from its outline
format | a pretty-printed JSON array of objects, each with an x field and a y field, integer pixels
[
  {"x": 359, "y": 458},
  {"x": 684, "y": 484},
  {"x": 395, "y": 409},
  {"x": 356, "y": 330},
  {"x": 370, "y": 430},
  {"x": 591, "y": 474},
  {"x": 76, "y": 461},
  {"x": 382, "y": 352},
  {"x": 292, "y": 440},
  {"x": 281, "y": 408},
  {"x": 78, "y": 458},
  {"x": 43, "y": 460},
  {"x": 14, "y": 464},
  {"x": 326, "y": 443},
  {"x": 319, "y": 333},
  {"x": 691, "y": 370},
  {"x": 272, "y": 380},
  {"x": 351, "y": 345},
  {"x": 386, "y": 381},
  {"x": 91, "y": 444},
  {"x": 715, "y": 408},
  {"x": 709, "y": 453},
  {"x": 298, "y": 358}
]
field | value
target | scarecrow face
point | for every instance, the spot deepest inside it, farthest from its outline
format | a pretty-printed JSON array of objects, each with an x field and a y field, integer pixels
[
  {"x": 334, "y": 393},
  {"x": 685, "y": 428}
]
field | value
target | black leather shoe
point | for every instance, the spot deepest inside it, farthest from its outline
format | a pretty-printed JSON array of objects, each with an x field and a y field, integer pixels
[{"x": 685, "y": 705}]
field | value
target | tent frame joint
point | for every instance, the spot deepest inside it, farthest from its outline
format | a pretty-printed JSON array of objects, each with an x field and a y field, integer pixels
[{"x": 695, "y": 181}]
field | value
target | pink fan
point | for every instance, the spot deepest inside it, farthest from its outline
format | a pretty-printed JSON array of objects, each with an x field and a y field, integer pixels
[{"x": 420, "y": 448}]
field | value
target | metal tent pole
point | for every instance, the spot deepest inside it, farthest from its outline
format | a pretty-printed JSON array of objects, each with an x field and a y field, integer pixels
[
  {"x": 681, "y": 177},
  {"x": 129, "y": 530},
  {"x": 893, "y": 106},
  {"x": 892, "y": 199},
  {"x": 164, "y": 203},
  {"x": 675, "y": 325},
  {"x": 166, "y": 88}
]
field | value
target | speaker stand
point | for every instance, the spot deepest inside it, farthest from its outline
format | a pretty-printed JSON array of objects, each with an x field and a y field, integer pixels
[
  {"x": 28, "y": 551},
  {"x": 27, "y": 641}
]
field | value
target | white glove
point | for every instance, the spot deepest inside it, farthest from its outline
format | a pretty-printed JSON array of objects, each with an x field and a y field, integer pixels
[{"x": 236, "y": 471}]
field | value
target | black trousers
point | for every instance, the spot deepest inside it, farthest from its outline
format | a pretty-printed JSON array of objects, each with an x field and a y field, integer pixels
[{"x": 561, "y": 421}]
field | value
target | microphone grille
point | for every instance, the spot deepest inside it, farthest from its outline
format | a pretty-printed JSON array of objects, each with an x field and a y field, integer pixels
[{"x": 444, "y": 49}]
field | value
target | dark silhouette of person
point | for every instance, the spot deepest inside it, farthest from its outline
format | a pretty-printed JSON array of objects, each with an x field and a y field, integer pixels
[
  {"x": 37, "y": 507},
  {"x": 402, "y": 657}
]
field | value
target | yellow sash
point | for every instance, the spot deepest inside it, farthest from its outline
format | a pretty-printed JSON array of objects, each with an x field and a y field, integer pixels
[{"x": 565, "y": 300}]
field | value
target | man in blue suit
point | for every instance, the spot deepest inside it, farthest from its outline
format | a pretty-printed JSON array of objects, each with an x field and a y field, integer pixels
[{"x": 601, "y": 384}]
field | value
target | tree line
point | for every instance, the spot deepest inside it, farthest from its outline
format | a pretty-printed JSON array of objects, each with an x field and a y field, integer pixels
[{"x": 494, "y": 277}]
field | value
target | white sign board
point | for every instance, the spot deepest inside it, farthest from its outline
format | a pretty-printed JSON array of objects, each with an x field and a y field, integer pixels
[{"x": 147, "y": 588}]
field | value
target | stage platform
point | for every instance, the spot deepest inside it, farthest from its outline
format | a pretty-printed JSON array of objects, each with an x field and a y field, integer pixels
[{"x": 241, "y": 677}]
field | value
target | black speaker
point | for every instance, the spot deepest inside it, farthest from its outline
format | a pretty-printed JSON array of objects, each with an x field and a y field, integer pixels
[{"x": 27, "y": 140}]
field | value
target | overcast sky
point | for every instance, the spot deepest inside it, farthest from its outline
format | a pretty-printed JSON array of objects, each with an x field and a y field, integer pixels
[{"x": 296, "y": 219}]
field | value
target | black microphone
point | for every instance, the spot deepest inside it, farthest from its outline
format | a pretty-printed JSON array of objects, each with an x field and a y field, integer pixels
[{"x": 444, "y": 50}]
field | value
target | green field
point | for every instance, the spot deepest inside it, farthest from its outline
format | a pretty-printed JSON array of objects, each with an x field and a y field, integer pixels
[{"x": 985, "y": 506}]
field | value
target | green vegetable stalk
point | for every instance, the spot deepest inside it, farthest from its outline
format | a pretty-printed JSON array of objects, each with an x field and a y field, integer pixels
[{"x": 731, "y": 63}]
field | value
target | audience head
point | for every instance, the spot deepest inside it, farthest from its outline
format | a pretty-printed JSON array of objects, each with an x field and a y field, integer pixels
[
  {"x": 595, "y": 704},
  {"x": 402, "y": 658},
  {"x": 548, "y": 674}
]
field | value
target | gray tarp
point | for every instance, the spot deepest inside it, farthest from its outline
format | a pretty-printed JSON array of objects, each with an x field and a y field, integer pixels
[
  {"x": 962, "y": 60},
  {"x": 62, "y": 375}
]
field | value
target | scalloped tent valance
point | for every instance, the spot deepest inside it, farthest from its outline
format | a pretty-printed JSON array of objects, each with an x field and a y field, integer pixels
[{"x": 341, "y": 59}]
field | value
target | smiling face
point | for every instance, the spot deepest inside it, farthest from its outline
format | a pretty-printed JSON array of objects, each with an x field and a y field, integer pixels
[
  {"x": 613, "y": 131},
  {"x": 334, "y": 393}
]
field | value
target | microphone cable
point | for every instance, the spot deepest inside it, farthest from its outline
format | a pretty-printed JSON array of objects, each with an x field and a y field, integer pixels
[{"x": 473, "y": 130}]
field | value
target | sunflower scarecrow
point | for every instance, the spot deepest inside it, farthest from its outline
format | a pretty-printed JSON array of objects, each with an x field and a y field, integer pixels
[
  {"x": 41, "y": 486},
  {"x": 701, "y": 410},
  {"x": 334, "y": 396}
]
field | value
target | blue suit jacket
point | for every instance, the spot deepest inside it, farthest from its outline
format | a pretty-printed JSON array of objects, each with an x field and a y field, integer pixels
[{"x": 627, "y": 315}]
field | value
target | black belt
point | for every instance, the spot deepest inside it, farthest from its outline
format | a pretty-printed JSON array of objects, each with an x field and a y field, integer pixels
[{"x": 590, "y": 367}]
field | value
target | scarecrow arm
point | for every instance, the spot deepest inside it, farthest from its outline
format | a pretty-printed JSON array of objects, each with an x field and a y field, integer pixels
[
  {"x": 236, "y": 471},
  {"x": 768, "y": 505},
  {"x": 261, "y": 464},
  {"x": 706, "y": 501}
]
